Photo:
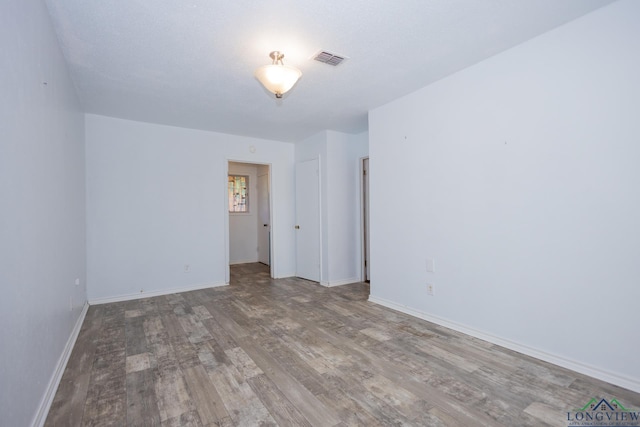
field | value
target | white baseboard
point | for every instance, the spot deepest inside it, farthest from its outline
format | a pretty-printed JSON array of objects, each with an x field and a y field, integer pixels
[
  {"x": 332, "y": 283},
  {"x": 574, "y": 365},
  {"x": 140, "y": 295},
  {"x": 54, "y": 382},
  {"x": 284, "y": 275}
]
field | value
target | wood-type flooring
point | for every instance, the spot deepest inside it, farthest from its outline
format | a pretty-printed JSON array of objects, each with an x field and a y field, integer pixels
[{"x": 289, "y": 352}]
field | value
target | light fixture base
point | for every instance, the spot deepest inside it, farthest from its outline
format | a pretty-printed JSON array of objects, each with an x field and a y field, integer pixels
[
  {"x": 277, "y": 78},
  {"x": 276, "y": 56}
]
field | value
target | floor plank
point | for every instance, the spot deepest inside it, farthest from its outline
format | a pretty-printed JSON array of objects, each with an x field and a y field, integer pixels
[{"x": 289, "y": 352}]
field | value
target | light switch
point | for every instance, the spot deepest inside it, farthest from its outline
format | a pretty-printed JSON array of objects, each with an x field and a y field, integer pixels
[{"x": 431, "y": 265}]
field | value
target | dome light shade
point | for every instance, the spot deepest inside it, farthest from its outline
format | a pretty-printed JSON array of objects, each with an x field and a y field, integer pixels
[{"x": 277, "y": 78}]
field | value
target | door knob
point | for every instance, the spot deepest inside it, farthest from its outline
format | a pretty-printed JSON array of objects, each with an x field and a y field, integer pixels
[
  {"x": 265, "y": 225},
  {"x": 297, "y": 227}
]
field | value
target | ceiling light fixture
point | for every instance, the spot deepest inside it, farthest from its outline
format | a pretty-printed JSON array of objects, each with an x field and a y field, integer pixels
[{"x": 277, "y": 78}]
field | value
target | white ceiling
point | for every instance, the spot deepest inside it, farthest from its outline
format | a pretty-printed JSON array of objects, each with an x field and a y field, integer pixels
[{"x": 190, "y": 63}]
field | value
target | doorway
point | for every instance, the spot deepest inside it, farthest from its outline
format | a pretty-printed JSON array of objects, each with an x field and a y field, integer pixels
[{"x": 249, "y": 213}]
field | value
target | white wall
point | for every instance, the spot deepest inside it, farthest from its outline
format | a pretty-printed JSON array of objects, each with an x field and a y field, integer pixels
[
  {"x": 42, "y": 219},
  {"x": 344, "y": 152},
  {"x": 340, "y": 217},
  {"x": 243, "y": 227},
  {"x": 157, "y": 200},
  {"x": 520, "y": 177}
]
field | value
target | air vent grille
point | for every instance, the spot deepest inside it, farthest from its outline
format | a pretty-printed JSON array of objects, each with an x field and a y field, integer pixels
[{"x": 329, "y": 58}]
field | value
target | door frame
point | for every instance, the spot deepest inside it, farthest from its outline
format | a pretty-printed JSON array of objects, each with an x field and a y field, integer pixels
[
  {"x": 364, "y": 204},
  {"x": 261, "y": 224},
  {"x": 225, "y": 205}
]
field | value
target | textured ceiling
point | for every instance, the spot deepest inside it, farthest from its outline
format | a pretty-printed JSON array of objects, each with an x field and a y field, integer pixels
[{"x": 190, "y": 63}]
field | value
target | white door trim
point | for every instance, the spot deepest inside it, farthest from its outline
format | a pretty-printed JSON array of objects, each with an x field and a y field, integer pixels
[
  {"x": 364, "y": 204},
  {"x": 261, "y": 223}
]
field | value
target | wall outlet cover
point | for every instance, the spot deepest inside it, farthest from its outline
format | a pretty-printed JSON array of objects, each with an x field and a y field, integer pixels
[{"x": 431, "y": 265}]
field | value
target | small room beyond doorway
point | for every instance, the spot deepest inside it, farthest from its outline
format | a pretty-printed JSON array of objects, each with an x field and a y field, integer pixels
[{"x": 248, "y": 187}]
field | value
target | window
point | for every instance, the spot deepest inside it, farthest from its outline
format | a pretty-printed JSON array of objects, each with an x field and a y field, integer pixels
[{"x": 238, "y": 188}]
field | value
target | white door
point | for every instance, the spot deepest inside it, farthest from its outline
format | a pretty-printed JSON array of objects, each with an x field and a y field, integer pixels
[
  {"x": 308, "y": 220},
  {"x": 365, "y": 216},
  {"x": 264, "y": 221}
]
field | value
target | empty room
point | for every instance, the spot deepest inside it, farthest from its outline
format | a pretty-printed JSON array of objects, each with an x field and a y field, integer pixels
[{"x": 356, "y": 213}]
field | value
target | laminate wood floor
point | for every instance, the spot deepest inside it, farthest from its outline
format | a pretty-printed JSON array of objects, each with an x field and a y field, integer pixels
[{"x": 289, "y": 352}]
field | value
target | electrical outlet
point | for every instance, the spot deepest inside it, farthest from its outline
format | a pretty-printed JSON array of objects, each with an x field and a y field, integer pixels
[
  {"x": 78, "y": 282},
  {"x": 431, "y": 289},
  {"x": 187, "y": 268}
]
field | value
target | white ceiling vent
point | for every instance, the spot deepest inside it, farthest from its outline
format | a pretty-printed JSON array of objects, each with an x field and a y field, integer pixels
[{"x": 329, "y": 58}]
